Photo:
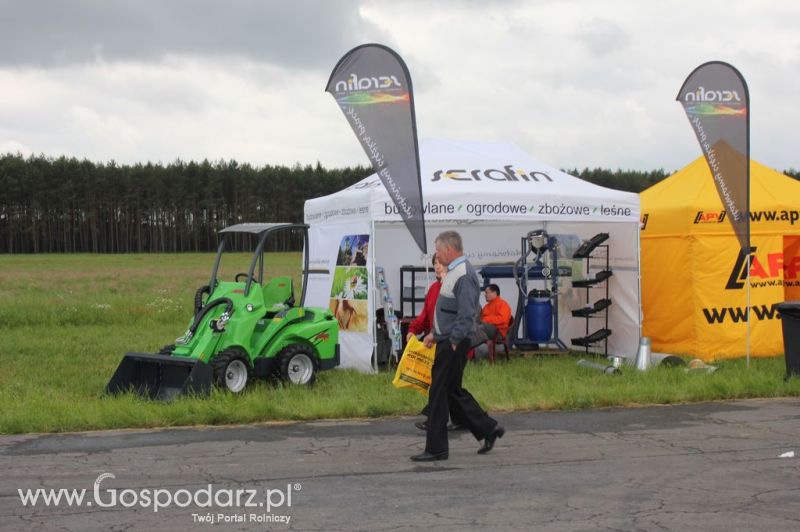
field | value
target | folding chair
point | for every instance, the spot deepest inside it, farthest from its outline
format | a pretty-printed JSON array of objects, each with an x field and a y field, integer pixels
[{"x": 502, "y": 339}]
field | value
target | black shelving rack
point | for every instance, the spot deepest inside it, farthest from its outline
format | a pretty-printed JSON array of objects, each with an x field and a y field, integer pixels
[
  {"x": 598, "y": 309},
  {"x": 411, "y": 296}
]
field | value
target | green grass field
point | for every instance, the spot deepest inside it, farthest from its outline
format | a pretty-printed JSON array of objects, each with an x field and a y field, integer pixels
[{"x": 66, "y": 321}]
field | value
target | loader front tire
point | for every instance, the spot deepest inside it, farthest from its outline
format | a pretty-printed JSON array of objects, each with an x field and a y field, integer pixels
[
  {"x": 297, "y": 364},
  {"x": 232, "y": 370}
]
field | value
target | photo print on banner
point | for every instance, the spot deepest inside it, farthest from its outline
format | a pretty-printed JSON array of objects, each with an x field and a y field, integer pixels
[{"x": 350, "y": 287}]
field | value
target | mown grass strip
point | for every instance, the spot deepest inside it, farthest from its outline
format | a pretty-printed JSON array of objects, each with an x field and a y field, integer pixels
[{"x": 67, "y": 320}]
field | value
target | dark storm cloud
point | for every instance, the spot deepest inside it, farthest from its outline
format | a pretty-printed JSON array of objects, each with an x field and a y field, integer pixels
[{"x": 299, "y": 33}]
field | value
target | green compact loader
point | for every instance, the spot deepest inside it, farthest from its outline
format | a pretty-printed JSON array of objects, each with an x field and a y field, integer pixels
[{"x": 242, "y": 329}]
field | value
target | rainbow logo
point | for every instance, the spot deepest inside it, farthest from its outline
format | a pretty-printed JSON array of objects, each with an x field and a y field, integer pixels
[
  {"x": 708, "y": 109},
  {"x": 372, "y": 98}
]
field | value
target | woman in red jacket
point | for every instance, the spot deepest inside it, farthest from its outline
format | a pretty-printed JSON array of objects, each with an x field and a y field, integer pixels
[{"x": 423, "y": 324}]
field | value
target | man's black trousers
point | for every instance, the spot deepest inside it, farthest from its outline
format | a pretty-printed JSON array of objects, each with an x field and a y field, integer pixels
[{"x": 446, "y": 394}]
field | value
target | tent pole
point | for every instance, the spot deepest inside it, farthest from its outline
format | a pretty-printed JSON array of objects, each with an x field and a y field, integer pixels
[
  {"x": 639, "y": 272},
  {"x": 375, "y": 290},
  {"x": 749, "y": 310}
]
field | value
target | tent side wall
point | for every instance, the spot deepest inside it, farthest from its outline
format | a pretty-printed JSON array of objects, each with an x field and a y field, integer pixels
[
  {"x": 694, "y": 297},
  {"x": 791, "y": 256},
  {"x": 720, "y": 314},
  {"x": 667, "y": 297}
]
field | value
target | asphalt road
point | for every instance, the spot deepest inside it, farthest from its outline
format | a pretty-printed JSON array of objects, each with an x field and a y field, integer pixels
[{"x": 711, "y": 466}]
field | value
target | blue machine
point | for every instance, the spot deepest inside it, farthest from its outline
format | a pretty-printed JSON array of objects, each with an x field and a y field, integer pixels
[{"x": 539, "y": 316}]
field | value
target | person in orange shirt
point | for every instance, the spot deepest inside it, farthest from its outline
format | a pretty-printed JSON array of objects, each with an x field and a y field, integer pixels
[{"x": 496, "y": 314}]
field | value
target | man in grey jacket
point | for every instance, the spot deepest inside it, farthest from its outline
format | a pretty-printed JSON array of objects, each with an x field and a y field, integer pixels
[{"x": 454, "y": 325}]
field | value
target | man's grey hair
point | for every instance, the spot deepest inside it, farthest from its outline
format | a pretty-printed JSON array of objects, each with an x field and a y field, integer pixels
[{"x": 452, "y": 239}]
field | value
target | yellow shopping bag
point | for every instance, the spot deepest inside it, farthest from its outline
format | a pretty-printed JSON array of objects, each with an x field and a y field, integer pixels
[{"x": 414, "y": 369}]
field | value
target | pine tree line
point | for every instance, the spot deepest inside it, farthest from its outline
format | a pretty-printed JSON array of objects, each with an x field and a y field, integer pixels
[
  {"x": 627, "y": 180},
  {"x": 66, "y": 205},
  {"x": 77, "y": 206}
]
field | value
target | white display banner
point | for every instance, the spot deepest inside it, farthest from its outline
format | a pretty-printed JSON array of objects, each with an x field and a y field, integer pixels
[{"x": 340, "y": 279}]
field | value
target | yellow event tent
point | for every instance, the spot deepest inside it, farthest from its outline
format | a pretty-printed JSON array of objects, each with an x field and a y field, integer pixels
[{"x": 694, "y": 298}]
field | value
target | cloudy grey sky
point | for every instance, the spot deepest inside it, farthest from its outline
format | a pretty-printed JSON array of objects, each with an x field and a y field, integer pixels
[{"x": 573, "y": 82}]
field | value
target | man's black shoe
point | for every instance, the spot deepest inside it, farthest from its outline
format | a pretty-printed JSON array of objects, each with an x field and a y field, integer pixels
[
  {"x": 488, "y": 442},
  {"x": 423, "y": 425},
  {"x": 429, "y": 457}
]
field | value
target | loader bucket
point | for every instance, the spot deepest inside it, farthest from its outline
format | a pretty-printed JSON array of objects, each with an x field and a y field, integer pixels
[{"x": 161, "y": 377}]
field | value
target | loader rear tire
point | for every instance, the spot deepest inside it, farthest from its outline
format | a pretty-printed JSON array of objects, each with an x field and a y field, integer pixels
[
  {"x": 297, "y": 364},
  {"x": 232, "y": 370}
]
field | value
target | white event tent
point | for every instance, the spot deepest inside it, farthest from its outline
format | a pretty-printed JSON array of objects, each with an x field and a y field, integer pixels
[{"x": 493, "y": 194}]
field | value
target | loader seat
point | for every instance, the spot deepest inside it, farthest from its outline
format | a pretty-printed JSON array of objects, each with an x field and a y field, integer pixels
[{"x": 278, "y": 294}]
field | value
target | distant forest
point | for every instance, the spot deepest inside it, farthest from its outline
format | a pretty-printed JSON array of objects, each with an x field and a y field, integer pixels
[{"x": 77, "y": 206}]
